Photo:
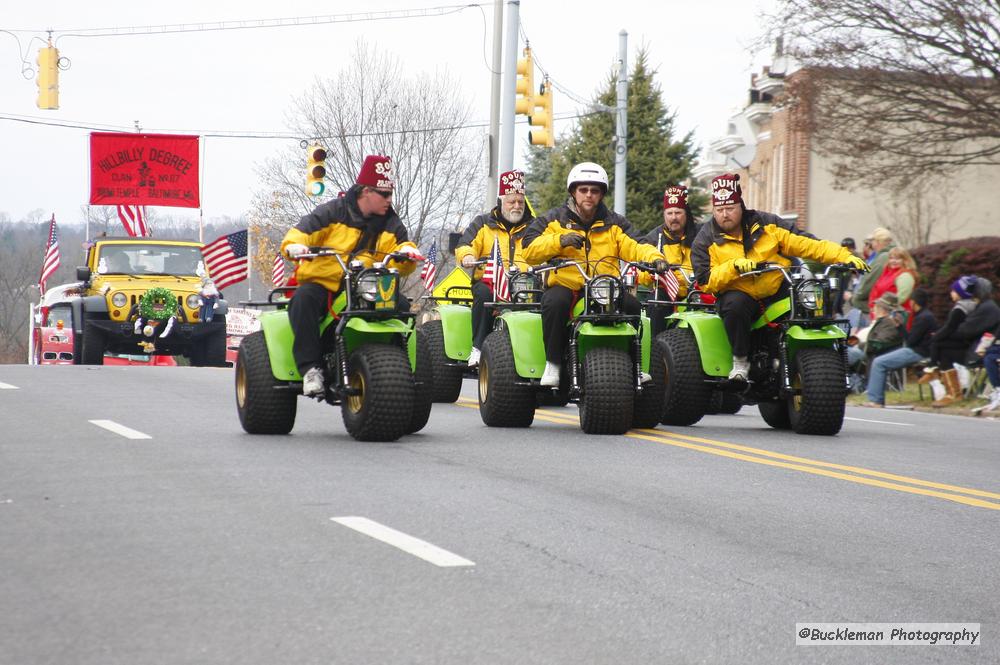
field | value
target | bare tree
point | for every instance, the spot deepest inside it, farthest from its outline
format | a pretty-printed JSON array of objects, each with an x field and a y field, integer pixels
[
  {"x": 918, "y": 212},
  {"x": 895, "y": 89},
  {"x": 373, "y": 107}
]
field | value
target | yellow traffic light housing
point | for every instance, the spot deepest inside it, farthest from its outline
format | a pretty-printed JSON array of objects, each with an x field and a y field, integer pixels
[
  {"x": 525, "y": 86},
  {"x": 315, "y": 170},
  {"x": 542, "y": 118},
  {"x": 48, "y": 77}
]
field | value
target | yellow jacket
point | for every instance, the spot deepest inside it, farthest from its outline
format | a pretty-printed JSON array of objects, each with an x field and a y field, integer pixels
[
  {"x": 766, "y": 237},
  {"x": 477, "y": 241},
  {"x": 338, "y": 224},
  {"x": 607, "y": 239},
  {"x": 675, "y": 251}
]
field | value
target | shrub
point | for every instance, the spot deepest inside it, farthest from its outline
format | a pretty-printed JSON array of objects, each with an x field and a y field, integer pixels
[{"x": 942, "y": 263}]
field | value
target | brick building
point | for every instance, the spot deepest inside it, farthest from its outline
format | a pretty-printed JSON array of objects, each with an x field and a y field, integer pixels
[{"x": 781, "y": 172}]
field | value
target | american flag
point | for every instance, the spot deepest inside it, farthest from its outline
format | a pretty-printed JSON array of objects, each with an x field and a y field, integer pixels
[
  {"x": 278, "y": 270},
  {"x": 226, "y": 259},
  {"x": 429, "y": 271},
  {"x": 134, "y": 220},
  {"x": 629, "y": 269},
  {"x": 496, "y": 275},
  {"x": 51, "y": 260},
  {"x": 668, "y": 282}
]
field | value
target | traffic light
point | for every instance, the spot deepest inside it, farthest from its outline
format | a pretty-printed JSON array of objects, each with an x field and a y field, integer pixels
[
  {"x": 525, "y": 86},
  {"x": 542, "y": 118},
  {"x": 48, "y": 77},
  {"x": 315, "y": 170}
]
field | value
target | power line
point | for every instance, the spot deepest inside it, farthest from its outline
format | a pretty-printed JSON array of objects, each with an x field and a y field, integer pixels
[
  {"x": 214, "y": 133},
  {"x": 251, "y": 24}
]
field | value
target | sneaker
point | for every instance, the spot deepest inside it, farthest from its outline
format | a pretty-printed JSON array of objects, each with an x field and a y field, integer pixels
[
  {"x": 312, "y": 383},
  {"x": 741, "y": 369},
  {"x": 645, "y": 377},
  {"x": 474, "y": 357},
  {"x": 550, "y": 377},
  {"x": 874, "y": 405}
]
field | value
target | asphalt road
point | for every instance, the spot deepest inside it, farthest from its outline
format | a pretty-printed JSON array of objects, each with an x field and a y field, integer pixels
[{"x": 198, "y": 543}]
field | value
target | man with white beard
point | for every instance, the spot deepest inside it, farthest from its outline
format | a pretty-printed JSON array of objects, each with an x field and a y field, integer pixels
[{"x": 506, "y": 222}]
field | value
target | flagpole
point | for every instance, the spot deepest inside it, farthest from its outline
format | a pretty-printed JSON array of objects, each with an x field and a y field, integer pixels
[{"x": 249, "y": 262}]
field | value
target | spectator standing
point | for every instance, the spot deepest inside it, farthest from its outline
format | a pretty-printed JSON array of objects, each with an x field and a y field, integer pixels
[
  {"x": 899, "y": 277},
  {"x": 881, "y": 244}
]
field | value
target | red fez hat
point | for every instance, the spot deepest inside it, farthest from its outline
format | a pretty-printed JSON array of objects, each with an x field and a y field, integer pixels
[
  {"x": 726, "y": 189},
  {"x": 676, "y": 196},
  {"x": 376, "y": 172},
  {"x": 511, "y": 182}
]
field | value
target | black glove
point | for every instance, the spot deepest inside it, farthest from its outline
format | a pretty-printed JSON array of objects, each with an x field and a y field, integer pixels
[
  {"x": 571, "y": 240},
  {"x": 659, "y": 265}
]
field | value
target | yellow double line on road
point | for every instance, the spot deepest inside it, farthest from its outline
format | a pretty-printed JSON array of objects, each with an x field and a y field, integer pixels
[{"x": 854, "y": 474}]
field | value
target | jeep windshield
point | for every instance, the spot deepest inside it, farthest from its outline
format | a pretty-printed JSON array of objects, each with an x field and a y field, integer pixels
[{"x": 137, "y": 259}]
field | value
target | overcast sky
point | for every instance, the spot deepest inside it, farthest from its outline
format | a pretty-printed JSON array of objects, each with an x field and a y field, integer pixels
[{"x": 200, "y": 82}]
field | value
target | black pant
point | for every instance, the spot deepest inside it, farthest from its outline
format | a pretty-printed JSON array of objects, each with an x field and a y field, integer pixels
[
  {"x": 657, "y": 318},
  {"x": 306, "y": 311},
  {"x": 946, "y": 352},
  {"x": 482, "y": 316},
  {"x": 557, "y": 301},
  {"x": 738, "y": 311}
]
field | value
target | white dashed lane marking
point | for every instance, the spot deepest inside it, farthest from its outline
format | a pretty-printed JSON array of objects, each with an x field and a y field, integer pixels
[
  {"x": 7, "y": 386},
  {"x": 121, "y": 430},
  {"x": 418, "y": 548}
]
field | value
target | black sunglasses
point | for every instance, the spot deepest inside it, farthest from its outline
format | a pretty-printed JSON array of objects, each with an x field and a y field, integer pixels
[{"x": 381, "y": 193}]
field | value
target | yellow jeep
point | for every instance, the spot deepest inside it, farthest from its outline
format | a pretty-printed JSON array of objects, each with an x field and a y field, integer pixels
[{"x": 141, "y": 295}]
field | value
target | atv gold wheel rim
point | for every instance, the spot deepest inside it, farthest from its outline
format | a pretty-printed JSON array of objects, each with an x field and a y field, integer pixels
[
  {"x": 797, "y": 392},
  {"x": 241, "y": 385},
  {"x": 484, "y": 381},
  {"x": 357, "y": 400}
]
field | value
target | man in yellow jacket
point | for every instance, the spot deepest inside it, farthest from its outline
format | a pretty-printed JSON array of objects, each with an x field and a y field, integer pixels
[
  {"x": 733, "y": 243},
  {"x": 582, "y": 230},
  {"x": 361, "y": 224},
  {"x": 507, "y": 223},
  {"x": 674, "y": 239}
]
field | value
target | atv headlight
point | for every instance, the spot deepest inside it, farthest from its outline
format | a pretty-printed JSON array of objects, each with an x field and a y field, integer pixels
[
  {"x": 119, "y": 299},
  {"x": 192, "y": 301},
  {"x": 811, "y": 298},
  {"x": 521, "y": 287},
  {"x": 368, "y": 286},
  {"x": 604, "y": 290}
]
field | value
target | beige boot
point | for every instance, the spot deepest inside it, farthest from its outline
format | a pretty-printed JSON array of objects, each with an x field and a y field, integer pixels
[
  {"x": 950, "y": 379},
  {"x": 929, "y": 375}
]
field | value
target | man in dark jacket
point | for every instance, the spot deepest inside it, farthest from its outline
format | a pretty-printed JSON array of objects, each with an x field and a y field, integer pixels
[{"x": 916, "y": 347}]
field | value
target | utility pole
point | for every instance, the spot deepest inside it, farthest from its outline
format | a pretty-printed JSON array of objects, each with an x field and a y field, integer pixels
[
  {"x": 510, "y": 84},
  {"x": 494, "y": 147},
  {"x": 621, "y": 125}
]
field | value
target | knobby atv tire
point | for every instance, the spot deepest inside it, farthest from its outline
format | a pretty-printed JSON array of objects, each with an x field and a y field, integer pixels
[
  {"x": 423, "y": 380},
  {"x": 775, "y": 413},
  {"x": 503, "y": 402},
  {"x": 608, "y": 392},
  {"x": 686, "y": 394},
  {"x": 92, "y": 347},
  {"x": 649, "y": 403},
  {"x": 820, "y": 408},
  {"x": 447, "y": 379},
  {"x": 383, "y": 409},
  {"x": 264, "y": 404}
]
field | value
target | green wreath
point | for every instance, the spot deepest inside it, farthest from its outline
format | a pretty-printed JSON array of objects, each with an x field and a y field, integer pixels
[{"x": 158, "y": 304}]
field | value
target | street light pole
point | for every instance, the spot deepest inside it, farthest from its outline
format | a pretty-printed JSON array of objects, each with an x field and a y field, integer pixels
[{"x": 621, "y": 130}]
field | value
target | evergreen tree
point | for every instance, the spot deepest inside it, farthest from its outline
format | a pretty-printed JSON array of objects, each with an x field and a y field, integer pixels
[{"x": 655, "y": 159}]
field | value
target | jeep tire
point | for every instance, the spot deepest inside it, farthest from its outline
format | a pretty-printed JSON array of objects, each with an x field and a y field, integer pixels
[
  {"x": 686, "y": 393},
  {"x": 381, "y": 408},
  {"x": 447, "y": 378},
  {"x": 819, "y": 408},
  {"x": 423, "y": 379}
]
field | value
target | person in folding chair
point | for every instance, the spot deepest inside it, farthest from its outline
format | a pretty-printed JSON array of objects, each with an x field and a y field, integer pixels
[{"x": 916, "y": 348}]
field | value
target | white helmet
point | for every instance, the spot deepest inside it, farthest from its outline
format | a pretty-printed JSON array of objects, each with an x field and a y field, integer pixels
[{"x": 587, "y": 172}]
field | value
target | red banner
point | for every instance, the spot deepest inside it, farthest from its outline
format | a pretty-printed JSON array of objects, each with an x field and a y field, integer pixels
[{"x": 144, "y": 169}]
